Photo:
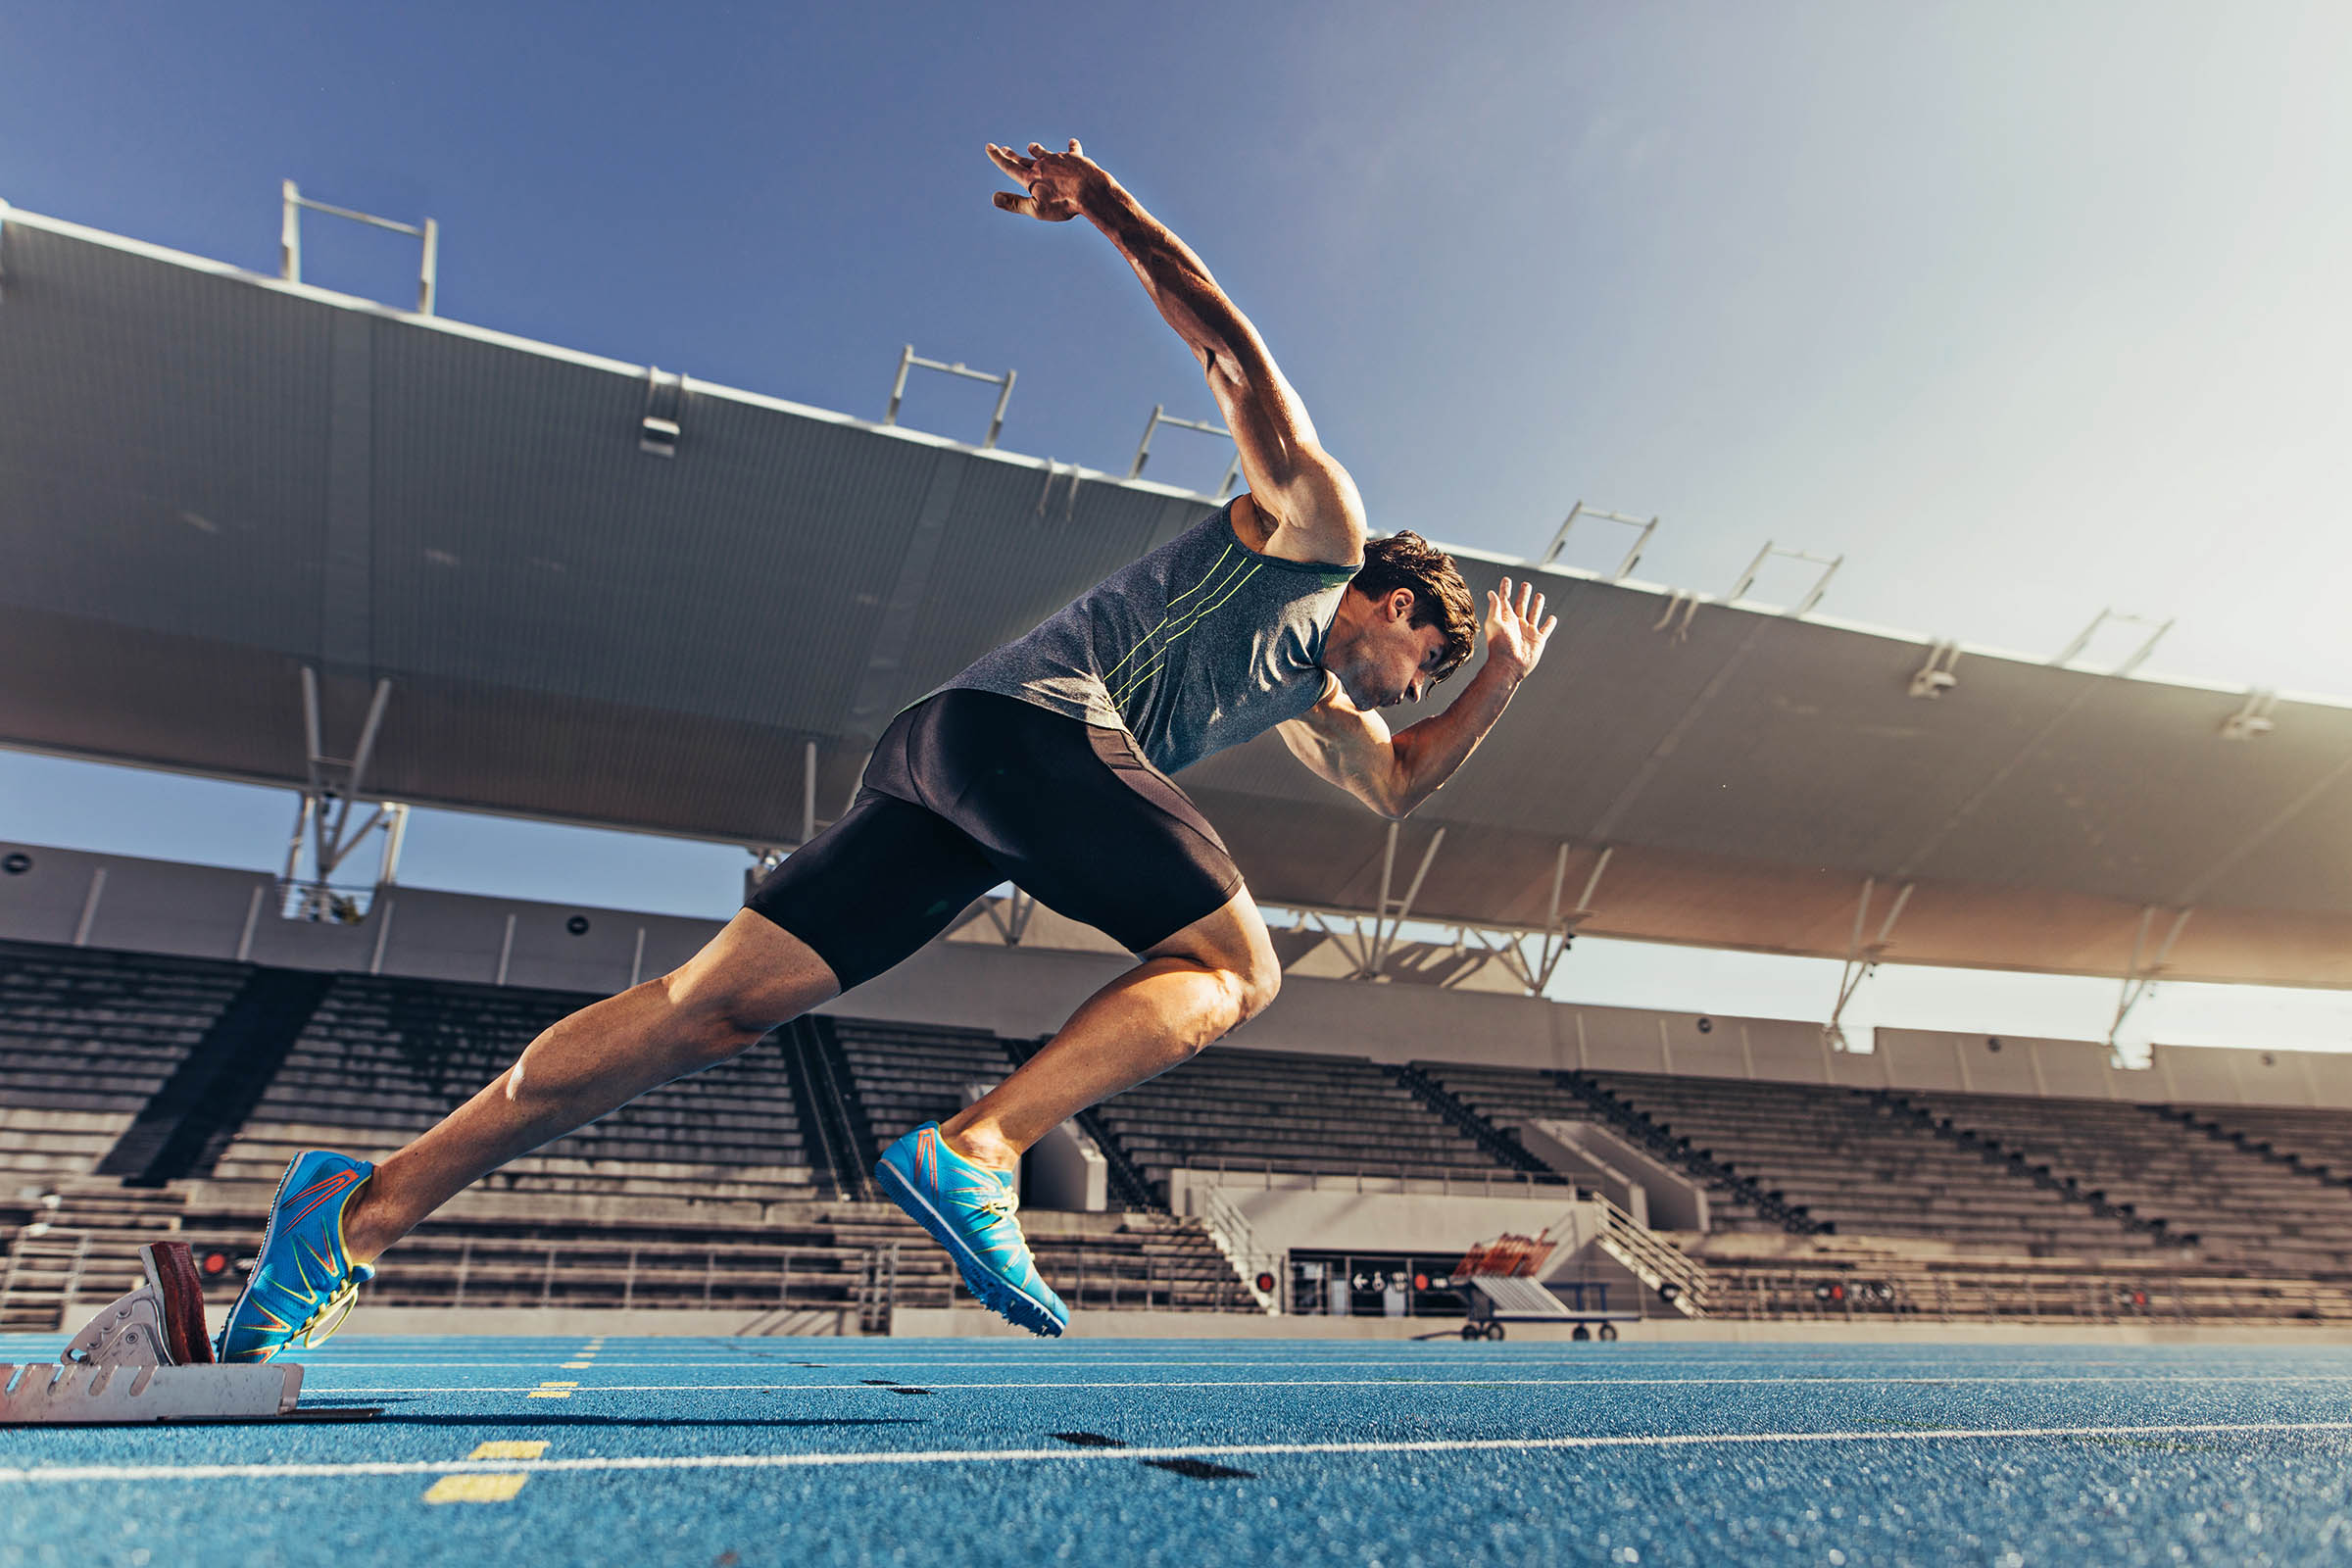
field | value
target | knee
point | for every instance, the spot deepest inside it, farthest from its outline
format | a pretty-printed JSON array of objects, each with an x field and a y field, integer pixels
[
  {"x": 1250, "y": 987},
  {"x": 710, "y": 1024},
  {"x": 1260, "y": 985}
]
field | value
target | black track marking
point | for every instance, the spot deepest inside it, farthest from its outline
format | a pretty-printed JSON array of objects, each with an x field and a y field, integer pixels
[
  {"x": 1200, "y": 1469},
  {"x": 1088, "y": 1440}
]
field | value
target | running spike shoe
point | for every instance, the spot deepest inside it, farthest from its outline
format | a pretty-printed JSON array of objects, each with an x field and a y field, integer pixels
[
  {"x": 303, "y": 1285},
  {"x": 970, "y": 1208}
]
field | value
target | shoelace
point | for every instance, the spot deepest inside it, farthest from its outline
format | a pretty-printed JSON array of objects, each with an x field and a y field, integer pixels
[
  {"x": 307, "y": 1332},
  {"x": 1001, "y": 1208}
]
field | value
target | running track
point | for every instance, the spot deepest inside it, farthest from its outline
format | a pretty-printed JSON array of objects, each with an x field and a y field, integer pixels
[{"x": 740, "y": 1453}]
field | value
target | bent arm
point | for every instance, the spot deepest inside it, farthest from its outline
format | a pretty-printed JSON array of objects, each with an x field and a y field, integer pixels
[{"x": 1393, "y": 773}]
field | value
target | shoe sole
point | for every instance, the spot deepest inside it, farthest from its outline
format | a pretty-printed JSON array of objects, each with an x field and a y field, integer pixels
[{"x": 998, "y": 1295}]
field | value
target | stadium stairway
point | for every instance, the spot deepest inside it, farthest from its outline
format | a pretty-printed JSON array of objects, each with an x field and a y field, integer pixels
[
  {"x": 198, "y": 1110},
  {"x": 87, "y": 1037},
  {"x": 2315, "y": 1143}
]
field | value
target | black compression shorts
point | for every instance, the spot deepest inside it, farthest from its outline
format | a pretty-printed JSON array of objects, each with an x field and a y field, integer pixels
[{"x": 969, "y": 789}]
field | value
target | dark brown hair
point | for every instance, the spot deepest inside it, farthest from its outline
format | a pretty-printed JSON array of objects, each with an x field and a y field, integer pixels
[{"x": 1405, "y": 559}]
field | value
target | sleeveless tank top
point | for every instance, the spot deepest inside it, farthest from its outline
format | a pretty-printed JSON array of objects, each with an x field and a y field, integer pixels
[{"x": 1200, "y": 645}]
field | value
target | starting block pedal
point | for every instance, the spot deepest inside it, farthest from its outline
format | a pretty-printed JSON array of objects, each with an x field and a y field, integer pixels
[{"x": 148, "y": 1357}]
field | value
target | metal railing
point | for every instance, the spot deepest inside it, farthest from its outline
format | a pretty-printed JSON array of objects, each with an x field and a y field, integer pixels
[
  {"x": 2103, "y": 1297},
  {"x": 1402, "y": 1178},
  {"x": 1229, "y": 1228},
  {"x": 1679, "y": 1280}
]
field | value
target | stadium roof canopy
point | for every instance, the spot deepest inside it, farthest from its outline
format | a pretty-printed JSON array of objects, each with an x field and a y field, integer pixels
[{"x": 210, "y": 480}]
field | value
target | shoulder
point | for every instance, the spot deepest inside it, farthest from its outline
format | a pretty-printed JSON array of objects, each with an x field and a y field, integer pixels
[{"x": 1317, "y": 519}]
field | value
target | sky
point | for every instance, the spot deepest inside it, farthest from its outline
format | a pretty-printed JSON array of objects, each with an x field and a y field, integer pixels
[{"x": 2027, "y": 310}]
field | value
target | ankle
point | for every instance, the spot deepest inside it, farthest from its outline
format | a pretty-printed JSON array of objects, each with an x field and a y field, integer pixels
[
  {"x": 983, "y": 1146},
  {"x": 365, "y": 1235}
]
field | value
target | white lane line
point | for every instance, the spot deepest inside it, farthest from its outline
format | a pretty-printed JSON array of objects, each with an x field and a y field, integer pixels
[
  {"x": 1229, "y": 1450},
  {"x": 316, "y": 1387}
]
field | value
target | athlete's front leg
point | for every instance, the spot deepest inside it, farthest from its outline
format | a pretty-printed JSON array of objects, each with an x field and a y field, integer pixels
[
  {"x": 1208, "y": 979},
  {"x": 955, "y": 1180}
]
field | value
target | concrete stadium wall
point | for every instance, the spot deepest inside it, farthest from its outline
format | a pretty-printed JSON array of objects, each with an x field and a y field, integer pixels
[{"x": 108, "y": 901}]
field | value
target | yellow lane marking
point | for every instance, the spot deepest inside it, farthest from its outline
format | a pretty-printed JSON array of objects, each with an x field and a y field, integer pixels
[
  {"x": 493, "y": 1487},
  {"x": 574, "y": 1366},
  {"x": 551, "y": 1391},
  {"x": 496, "y": 1487}
]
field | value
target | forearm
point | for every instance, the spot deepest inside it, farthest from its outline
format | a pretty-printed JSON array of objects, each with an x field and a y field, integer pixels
[
  {"x": 1428, "y": 752},
  {"x": 1177, "y": 280}
]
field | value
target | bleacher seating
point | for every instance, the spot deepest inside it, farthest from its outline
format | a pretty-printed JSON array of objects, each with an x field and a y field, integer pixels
[
  {"x": 908, "y": 1074},
  {"x": 2232, "y": 1201},
  {"x": 1505, "y": 1096},
  {"x": 1278, "y": 1111},
  {"x": 1947, "y": 1204},
  {"x": 1850, "y": 1159},
  {"x": 385, "y": 1058},
  {"x": 86, "y": 1038}
]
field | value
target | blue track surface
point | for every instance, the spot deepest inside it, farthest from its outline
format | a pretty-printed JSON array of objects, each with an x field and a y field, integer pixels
[{"x": 752, "y": 1451}]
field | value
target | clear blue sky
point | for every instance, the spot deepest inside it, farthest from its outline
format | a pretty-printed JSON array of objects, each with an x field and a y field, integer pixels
[{"x": 2027, "y": 310}]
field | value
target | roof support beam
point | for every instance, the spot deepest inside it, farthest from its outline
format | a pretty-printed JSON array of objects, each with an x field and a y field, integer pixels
[
  {"x": 2140, "y": 981},
  {"x": 882, "y": 686},
  {"x": 1862, "y": 959},
  {"x": 323, "y": 815}
]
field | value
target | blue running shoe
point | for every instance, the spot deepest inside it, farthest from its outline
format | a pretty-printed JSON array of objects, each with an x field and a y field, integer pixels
[
  {"x": 969, "y": 1208},
  {"x": 303, "y": 1285}
]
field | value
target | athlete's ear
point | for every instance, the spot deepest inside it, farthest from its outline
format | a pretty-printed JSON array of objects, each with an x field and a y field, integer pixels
[{"x": 1399, "y": 606}]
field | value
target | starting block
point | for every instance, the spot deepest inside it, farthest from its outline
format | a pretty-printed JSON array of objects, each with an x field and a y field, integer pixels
[{"x": 147, "y": 1358}]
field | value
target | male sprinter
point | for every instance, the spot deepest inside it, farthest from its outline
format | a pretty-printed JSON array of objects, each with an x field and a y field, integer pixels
[{"x": 1046, "y": 764}]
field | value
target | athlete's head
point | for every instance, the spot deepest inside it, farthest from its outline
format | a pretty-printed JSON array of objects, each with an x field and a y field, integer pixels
[{"x": 1405, "y": 623}]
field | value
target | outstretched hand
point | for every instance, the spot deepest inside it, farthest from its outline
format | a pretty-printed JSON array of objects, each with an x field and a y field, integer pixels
[
  {"x": 1518, "y": 632},
  {"x": 1058, "y": 183}
]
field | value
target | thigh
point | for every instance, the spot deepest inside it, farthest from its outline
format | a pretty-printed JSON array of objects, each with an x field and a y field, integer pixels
[
  {"x": 875, "y": 886},
  {"x": 1074, "y": 813}
]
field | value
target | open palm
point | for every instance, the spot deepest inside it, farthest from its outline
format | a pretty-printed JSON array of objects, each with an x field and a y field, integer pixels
[{"x": 1516, "y": 632}]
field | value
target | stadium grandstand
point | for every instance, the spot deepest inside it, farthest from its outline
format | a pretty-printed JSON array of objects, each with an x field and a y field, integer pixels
[{"x": 386, "y": 560}]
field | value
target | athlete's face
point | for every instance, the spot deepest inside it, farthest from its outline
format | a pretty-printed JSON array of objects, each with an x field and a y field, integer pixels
[{"x": 1398, "y": 660}]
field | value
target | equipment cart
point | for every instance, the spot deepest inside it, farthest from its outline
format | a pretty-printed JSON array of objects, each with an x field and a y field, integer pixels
[{"x": 1498, "y": 1284}]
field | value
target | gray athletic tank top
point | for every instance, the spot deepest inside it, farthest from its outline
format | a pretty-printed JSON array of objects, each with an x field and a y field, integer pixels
[{"x": 1200, "y": 645}]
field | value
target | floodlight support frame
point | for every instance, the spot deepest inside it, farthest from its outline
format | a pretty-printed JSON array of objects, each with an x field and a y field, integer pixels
[
  {"x": 293, "y": 203},
  {"x": 1159, "y": 417},
  {"x": 2139, "y": 658},
  {"x": 2252, "y": 720},
  {"x": 909, "y": 359},
  {"x": 1828, "y": 565},
  {"x": 1633, "y": 557}
]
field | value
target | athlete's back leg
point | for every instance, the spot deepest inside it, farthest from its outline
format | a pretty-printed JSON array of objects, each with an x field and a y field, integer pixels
[{"x": 751, "y": 977}]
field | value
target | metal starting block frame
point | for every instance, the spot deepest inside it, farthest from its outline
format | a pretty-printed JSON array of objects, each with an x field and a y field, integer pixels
[{"x": 146, "y": 1358}]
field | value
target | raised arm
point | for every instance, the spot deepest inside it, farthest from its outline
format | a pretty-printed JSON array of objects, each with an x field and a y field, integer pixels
[
  {"x": 1309, "y": 502},
  {"x": 1392, "y": 773}
]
